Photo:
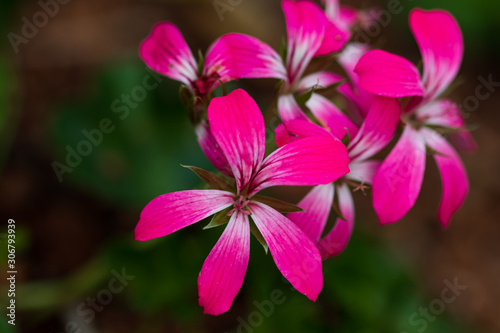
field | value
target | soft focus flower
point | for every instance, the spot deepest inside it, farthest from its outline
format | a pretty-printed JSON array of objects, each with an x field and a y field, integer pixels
[
  {"x": 238, "y": 128},
  {"x": 397, "y": 183},
  {"x": 374, "y": 134}
]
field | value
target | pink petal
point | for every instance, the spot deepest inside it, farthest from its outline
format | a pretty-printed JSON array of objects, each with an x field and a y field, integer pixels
[
  {"x": 446, "y": 113},
  {"x": 310, "y": 161},
  {"x": 289, "y": 109},
  {"x": 348, "y": 59},
  {"x": 336, "y": 240},
  {"x": 306, "y": 25},
  {"x": 440, "y": 41},
  {"x": 386, "y": 74},
  {"x": 166, "y": 52},
  {"x": 296, "y": 130},
  {"x": 334, "y": 40},
  {"x": 397, "y": 183},
  {"x": 453, "y": 176},
  {"x": 332, "y": 9},
  {"x": 238, "y": 127},
  {"x": 363, "y": 171},
  {"x": 377, "y": 129},
  {"x": 330, "y": 116},
  {"x": 235, "y": 56},
  {"x": 317, "y": 204},
  {"x": 173, "y": 211},
  {"x": 211, "y": 148},
  {"x": 317, "y": 80},
  {"x": 222, "y": 274},
  {"x": 294, "y": 253}
]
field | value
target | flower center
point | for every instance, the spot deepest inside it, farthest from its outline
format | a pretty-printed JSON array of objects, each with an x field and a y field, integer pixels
[
  {"x": 240, "y": 205},
  {"x": 205, "y": 84}
]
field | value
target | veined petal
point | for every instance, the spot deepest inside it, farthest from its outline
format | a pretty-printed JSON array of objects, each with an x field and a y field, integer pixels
[
  {"x": 348, "y": 59},
  {"x": 387, "y": 74},
  {"x": 377, "y": 129},
  {"x": 330, "y": 116},
  {"x": 398, "y": 181},
  {"x": 306, "y": 25},
  {"x": 440, "y": 41},
  {"x": 332, "y": 9},
  {"x": 446, "y": 113},
  {"x": 211, "y": 148},
  {"x": 222, "y": 274},
  {"x": 453, "y": 176},
  {"x": 235, "y": 56},
  {"x": 296, "y": 130},
  {"x": 238, "y": 127},
  {"x": 166, "y": 52},
  {"x": 310, "y": 161},
  {"x": 294, "y": 253},
  {"x": 336, "y": 240},
  {"x": 317, "y": 80},
  {"x": 289, "y": 109},
  {"x": 316, "y": 205},
  {"x": 173, "y": 211},
  {"x": 363, "y": 171}
]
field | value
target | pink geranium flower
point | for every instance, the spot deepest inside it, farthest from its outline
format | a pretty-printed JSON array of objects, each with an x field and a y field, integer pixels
[
  {"x": 238, "y": 128},
  {"x": 309, "y": 34},
  {"x": 374, "y": 134},
  {"x": 397, "y": 183}
]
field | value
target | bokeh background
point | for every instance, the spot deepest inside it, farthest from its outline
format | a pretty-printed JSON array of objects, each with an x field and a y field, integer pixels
[{"x": 74, "y": 235}]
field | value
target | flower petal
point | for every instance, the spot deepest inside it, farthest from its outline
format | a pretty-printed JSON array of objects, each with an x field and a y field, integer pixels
[
  {"x": 296, "y": 130},
  {"x": 289, "y": 109},
  {"x": 377, "y": 129},
  {"x": 222, "y": 274},
  {"x": 361, "y": 98},
  {"x": 363, "y": 171},
  {"x": 166, "y": 52},
  {"x": 235, "y": 56},
  {"x": 386, "y": 74},
  {"x": 310, "y": 161},
  {"x": 334, "y": 40},
  {"x": 173, "y": 211},
  {"x": 330, "y": 116},
  {"x": 336, "y": 240},
  {"x": 442, "y": 52},
  {"x": 211, "y": 148},
  {"x": 238, "y": 127},
  {"x": 453, "y": 176},
  {"x": 397, "y": 183},
  {"x": 446, "y": 113},
  {"x": 317, "y": 204},
  {"x": 318, "y": 80},
  {"x": 294, "y": 253},
  {"x": 306, "y": 25}
]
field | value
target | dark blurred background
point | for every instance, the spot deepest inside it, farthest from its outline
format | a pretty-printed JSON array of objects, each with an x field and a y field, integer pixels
[{"x": 74, "y": 235}]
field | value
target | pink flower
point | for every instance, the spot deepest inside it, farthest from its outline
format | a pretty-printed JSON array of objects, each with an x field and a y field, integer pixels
[
  {"x": 309, "y": 34},
  {"x": 374, "y": 134},
  {"x": 166, "y": 52},
  {"x": 397, "y": 183},
  {"x": 238, "y": 127}
]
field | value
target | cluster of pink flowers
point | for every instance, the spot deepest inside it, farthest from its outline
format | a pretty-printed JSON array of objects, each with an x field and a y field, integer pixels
[{"x": 320, "y": 144}]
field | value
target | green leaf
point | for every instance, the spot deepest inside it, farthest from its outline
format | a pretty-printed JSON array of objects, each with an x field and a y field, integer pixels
[
  {"x": 283, "y": 50},
  {"x": 219, "y": 219},
  {"x": 336, "y": 209},
  {"x": 280, "y": 206},
  {"x": 256, "y": 232},
  {"x": 215, "y": 182},
  {"x": 223, "y": 88},
  {"x": 201, "y": 63},
  {"x": 346, "y": 139},
  {"x": 303, "y": 98}
]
